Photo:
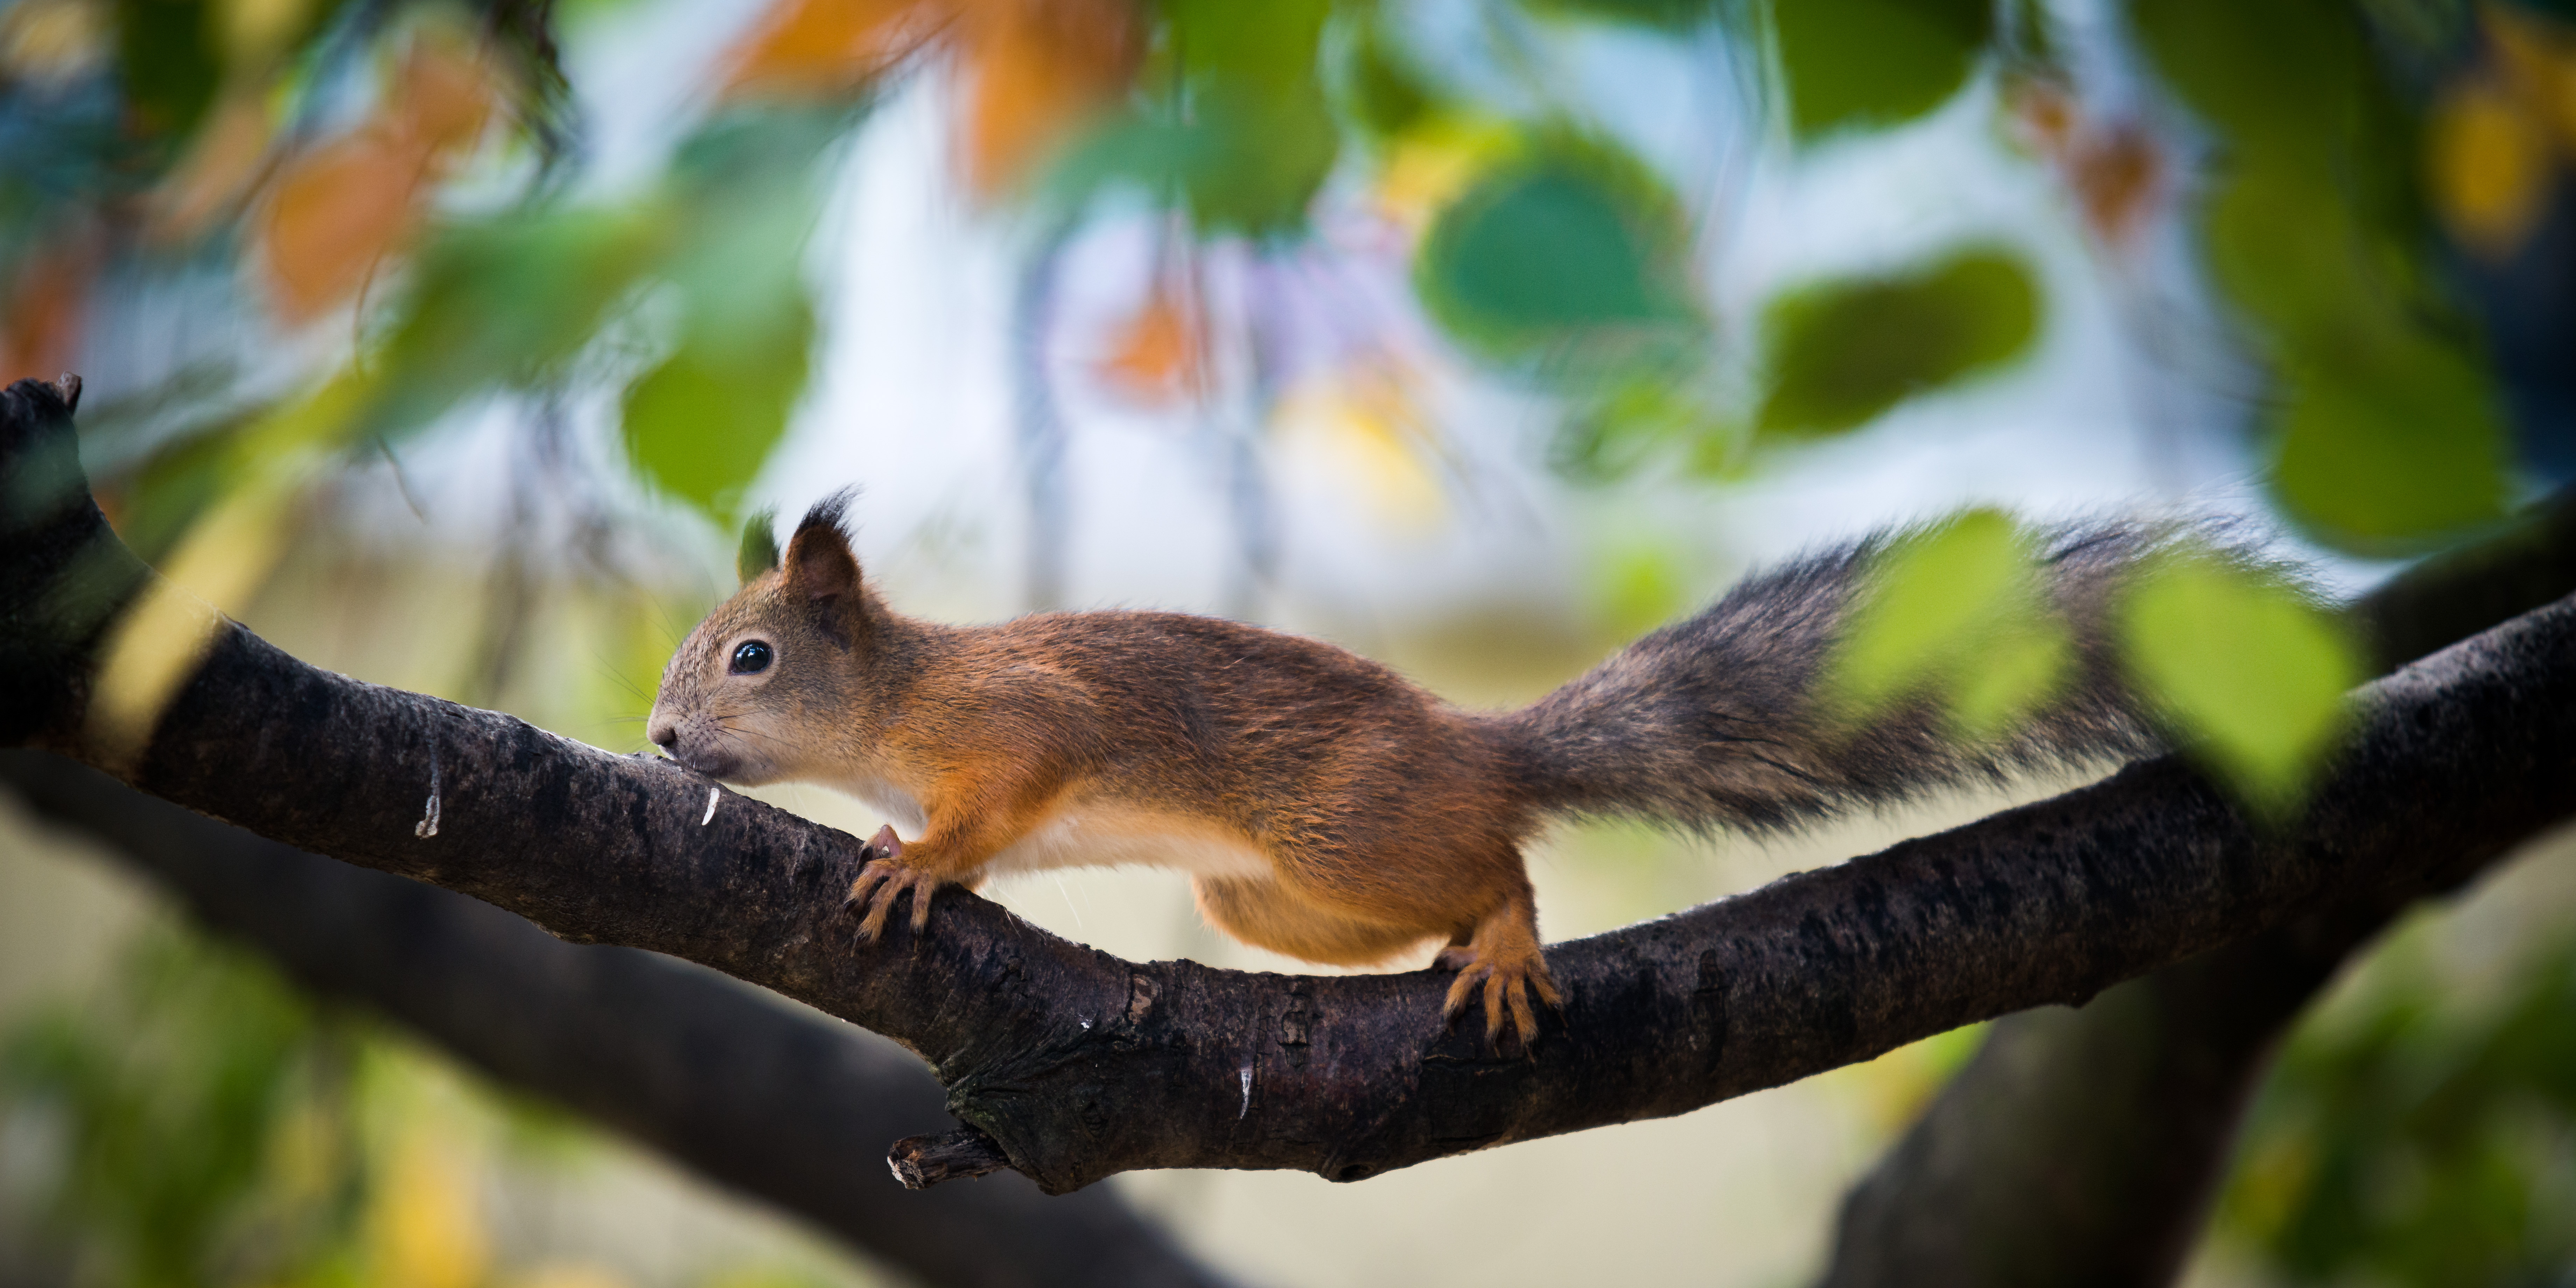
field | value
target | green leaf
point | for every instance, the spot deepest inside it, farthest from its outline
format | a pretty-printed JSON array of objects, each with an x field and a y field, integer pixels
[
  {"x": 2384, "y": 409},
  {"x": 1675, "y": 16},
  {"x": 1875, "y": 62},
  {"x": 1953, "y": 613},
  {"x": 1640, "y": 587},
  {"x": 699, "y": 425},
  {"x": 2245, "y": 665},
  {"x": 1387, "y": 93},
  {"x": 1242, "y": 136},
  {"x": 1266, "y": 47},
  {"x": 1616, "y": 425},
  {"x": 1846, "y": 351},
  {"x": 2287, "y": 72},
  {"x": 1572, "y": 243},
  {"x": 167, "y": 60},
  {"x": 507, "y": 302},
  {"x": 2395, "y": 455},
  {"x": 758, "y": 552}
]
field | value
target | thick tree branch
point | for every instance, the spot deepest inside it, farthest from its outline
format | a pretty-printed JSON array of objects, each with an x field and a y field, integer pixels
[
  {"x": 1079, "y": 1065},
  {"x": 779, "y": 1103},
  {"x": 2083, "y": 1146}
]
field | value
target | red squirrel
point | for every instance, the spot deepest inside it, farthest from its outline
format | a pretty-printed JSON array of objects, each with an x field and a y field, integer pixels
[{"x": 1325, "y": 807}]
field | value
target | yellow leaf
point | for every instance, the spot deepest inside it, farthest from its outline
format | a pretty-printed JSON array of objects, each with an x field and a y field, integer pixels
[
  {"x": 254, "y": 30},
  {"x": 569, "y": 1274},
  {"x": 53, "y": 42},
  {"x": 2538, "y": 57},
  {"x": 427, "y": 1219},
  {"x": 2489, "y": 166},
  {"x": 1429, "y": 167},
  {"x": 155, "y": 647},
  {"x": 224, "y": 560},
  {"x": 1364, "y": 425}
]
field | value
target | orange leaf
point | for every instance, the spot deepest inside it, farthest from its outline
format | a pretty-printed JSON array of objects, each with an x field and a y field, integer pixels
[
  {"x": 443, "y": 94},
  {"x": 2116, "y": 174},
  {"x": 1160, "y": 353},
  {"x": 40, "y": 331},
  {"x": 222, "y": 163},
  {"x": 337, "y": 210},
  {"x": 2043, "y": 115},
  {"x": 1039, "y": 70},
  {"x": 827, "y": 48}
]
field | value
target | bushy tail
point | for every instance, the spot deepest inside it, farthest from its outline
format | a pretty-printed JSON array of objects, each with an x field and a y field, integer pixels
[{"x": 1717, "y": 720}]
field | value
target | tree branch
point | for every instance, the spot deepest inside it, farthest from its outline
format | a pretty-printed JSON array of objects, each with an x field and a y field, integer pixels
[
  {"x": 775, "y": 1102},
  {"x": 1080, "y": 1065},
  {"x": 2084, "y": 1146}
]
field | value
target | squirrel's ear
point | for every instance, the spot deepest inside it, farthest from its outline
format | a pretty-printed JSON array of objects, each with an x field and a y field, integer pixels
[
  {"x": 819, "y": 563},
  {"x": 820, "y": 566}
]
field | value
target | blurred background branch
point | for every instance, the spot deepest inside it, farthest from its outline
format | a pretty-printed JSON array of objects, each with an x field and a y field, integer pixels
[{"x": 770, "y": 1099}]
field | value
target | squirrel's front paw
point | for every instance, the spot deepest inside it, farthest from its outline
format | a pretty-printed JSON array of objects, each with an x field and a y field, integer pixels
[
  {"x": 1510, "y": 976},
  {"x": 883, "y": 881}
]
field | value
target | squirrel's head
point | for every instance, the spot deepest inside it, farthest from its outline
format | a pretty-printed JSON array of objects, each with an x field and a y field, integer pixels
[{"x": 759, "y": 689}]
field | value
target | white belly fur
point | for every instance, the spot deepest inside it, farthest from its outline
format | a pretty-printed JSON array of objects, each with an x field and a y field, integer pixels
[
  {"x": 1100, "y": 834},
  {"x": 1091, "y": 834},
  {"x": 899, "y": 806}
]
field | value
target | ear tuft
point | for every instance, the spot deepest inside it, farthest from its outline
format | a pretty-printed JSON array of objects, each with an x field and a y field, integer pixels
[
  {"x": 819, "y": 563},
  {"x": 759, "y": 550},
  {"x": 830, "y": 511}
]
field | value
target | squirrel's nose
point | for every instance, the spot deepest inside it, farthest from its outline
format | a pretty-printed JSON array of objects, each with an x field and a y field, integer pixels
[{"x": 664, "y": 731}]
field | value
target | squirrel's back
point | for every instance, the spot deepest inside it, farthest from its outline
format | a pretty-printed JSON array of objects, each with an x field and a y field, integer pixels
[{"x": 1718, "y": 720}]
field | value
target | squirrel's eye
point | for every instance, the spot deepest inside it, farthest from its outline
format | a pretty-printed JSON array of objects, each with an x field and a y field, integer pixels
[{"x": 749, "y": 657}]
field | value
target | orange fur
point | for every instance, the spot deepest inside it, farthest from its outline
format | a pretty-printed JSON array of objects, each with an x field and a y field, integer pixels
[
  {"x": 1328, "y": 809},
  {"x": 1325, "y": 807}
]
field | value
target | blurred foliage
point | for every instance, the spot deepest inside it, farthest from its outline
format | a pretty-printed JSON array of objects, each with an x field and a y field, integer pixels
[
  {"x": 205, "y": 1125},
  {"x": 2414, "y": 1140},
  {"x": 2243, "y": 659},
  {"x": 1548, "y": 249},
  {"x": 399, "y": 181},
  {"x": 1956, "y": 610},
  {"x": 1847, "y": 351},
  {"x": 1859, "y": 63},
  {"x": 400, "y": 189},
  {"x": 2388, "y": 424},
  {"x": 1571, "y": 253}
]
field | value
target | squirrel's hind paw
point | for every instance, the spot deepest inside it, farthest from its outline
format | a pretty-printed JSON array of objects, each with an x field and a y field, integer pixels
[{"x": 1508, "y": 980}]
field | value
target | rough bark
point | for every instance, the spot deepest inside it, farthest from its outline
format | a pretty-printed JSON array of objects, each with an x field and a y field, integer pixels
[
  {"x": 778, "y": 1103},
  {"x": 1079, "y": 1065},
  {"x": 2084, "y": 1146}
]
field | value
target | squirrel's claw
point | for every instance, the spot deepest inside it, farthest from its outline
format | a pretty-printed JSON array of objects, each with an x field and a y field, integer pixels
[{"x": 1508, "y": 983}]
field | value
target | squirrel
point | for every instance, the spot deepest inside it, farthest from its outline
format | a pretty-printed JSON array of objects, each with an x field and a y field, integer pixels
[{"x": 1325, "y": 806}]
